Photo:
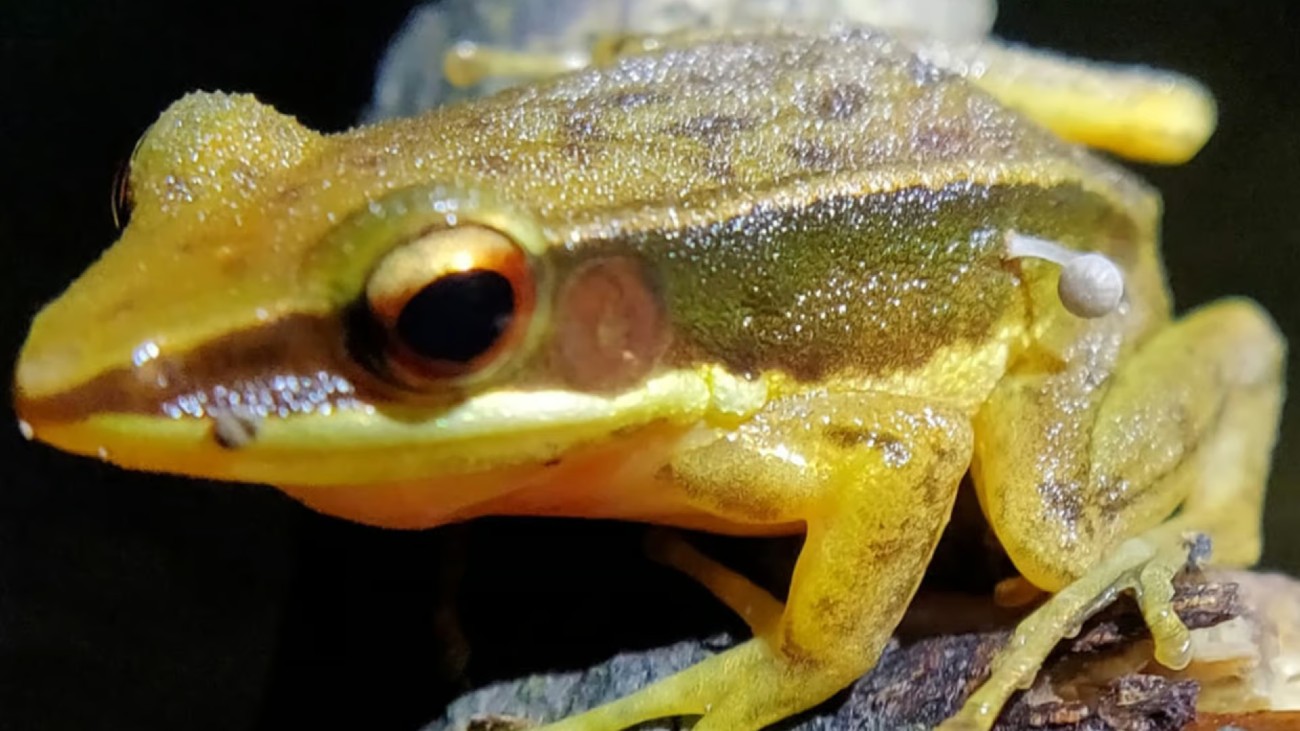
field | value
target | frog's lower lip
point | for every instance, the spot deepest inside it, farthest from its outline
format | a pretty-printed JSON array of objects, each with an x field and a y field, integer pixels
[
  {"x": 300, "y": 450},
  {"x": 368, "y": 444}
]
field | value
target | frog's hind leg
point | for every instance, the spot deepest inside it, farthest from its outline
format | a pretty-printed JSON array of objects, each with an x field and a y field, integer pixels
[
  {"x": 1136, "y": 112},
  {"x": 1078, "y": 478},
  {"x": 873, "y": 477},
  {"x": 1144, "y": 565},
  {"x": 467, "y": 64}
]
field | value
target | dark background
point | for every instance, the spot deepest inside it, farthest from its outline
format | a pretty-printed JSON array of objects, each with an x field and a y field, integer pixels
[{"x": 134, "y": 601}]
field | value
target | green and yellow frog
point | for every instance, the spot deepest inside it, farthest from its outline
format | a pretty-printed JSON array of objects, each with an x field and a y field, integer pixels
[{"x": 756, "y": 283}]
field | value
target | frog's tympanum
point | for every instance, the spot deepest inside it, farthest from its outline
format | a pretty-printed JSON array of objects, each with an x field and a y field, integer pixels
[{"x": 754, "y": 283}]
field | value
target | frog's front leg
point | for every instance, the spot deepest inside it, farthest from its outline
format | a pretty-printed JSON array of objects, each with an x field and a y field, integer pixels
[
  {"x": 873, "y": 477},
  {"x": 1079, "y": 469}
]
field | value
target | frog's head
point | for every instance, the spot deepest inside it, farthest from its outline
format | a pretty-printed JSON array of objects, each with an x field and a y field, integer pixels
[{"x": 284, "y": 308}]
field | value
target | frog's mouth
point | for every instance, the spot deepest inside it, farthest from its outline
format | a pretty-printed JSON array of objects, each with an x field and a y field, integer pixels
[{"x": 352, "y": 442}]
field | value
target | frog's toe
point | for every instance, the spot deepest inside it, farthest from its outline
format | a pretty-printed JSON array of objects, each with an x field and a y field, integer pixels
[
  {"x": 760, "y": 610},
  {"x": 1145, "y": 565},
  {"x": 1155, "y": 593}
]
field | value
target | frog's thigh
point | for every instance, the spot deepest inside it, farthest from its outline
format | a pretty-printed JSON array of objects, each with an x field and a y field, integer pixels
[
  {"x": 1135, "y": 112},
  {"x": 1189, "y": 420},
  {"x": 873, "y": 477},
  {"x": 1066, "y": 469},
  {"x": 1240, "y": 355}
]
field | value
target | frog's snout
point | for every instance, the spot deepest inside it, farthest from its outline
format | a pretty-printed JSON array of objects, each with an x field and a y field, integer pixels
[
  {"x": 41, "y": 375},
  {"x": 44, "y": 367}
]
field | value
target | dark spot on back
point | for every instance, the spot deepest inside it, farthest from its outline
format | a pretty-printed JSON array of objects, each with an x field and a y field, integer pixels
[
  {"x": 627, "y": 100},
  {"x": 840, "y": 102},
  {"x": 710, "y": 128},
  {"x": 816, "y": 155},
  {"x": 582, "y": 125},
  {"x": 581, "y": 133},
  {"x": 718, "y": 165},
  {"x": 577, "y": 152},
  {"x": 492, "y": 163},
  {"x": 939, "y": 138}
]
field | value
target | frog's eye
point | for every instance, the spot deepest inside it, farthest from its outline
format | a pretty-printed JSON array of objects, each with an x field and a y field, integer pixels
[
  {"x": 123, "y": 199},
  {"x": 450, "y": 303},
  {"x": 121, "y": 202}
]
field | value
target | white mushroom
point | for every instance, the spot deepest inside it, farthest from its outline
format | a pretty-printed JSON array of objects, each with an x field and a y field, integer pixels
[{"x": 1090, "y": 285}]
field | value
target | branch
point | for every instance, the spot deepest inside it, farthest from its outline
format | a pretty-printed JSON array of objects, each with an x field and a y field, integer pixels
[{"x": 1103, "y": 680}]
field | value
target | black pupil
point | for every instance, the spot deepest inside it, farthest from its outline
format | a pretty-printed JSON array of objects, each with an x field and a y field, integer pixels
[{"x": 457, "y": 317}]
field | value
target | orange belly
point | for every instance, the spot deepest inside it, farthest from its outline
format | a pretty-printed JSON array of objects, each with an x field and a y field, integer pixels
[{"x": 623, "y": 478}]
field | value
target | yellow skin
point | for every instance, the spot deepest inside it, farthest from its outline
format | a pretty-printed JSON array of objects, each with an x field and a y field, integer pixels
[{"x": 772, "y": 293}]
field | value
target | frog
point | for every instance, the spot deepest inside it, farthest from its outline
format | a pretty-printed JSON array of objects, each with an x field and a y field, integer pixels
[{"x": 754, "y": 283}]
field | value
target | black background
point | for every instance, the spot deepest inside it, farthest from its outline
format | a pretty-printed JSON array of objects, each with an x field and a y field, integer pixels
[{"x": 133, "y": 601}]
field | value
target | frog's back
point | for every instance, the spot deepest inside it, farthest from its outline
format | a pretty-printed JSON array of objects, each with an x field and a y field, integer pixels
[
  {"x": 826, "y": 206},
  {"x": 814, "y": 204},
  {"x": 695, "y": 126}
]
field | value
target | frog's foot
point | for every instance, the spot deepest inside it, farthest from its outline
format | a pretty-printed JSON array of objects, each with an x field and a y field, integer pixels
[
  {"x": 746, "y": 688},
  {"x": 468, "y": 63},
  {"x": 1146, "y": 565}
]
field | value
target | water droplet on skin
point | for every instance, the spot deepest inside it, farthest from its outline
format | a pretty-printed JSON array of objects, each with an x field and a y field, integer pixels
[
  {"x": 144, "y": 353},
  {"x": 26, "y": 430}
]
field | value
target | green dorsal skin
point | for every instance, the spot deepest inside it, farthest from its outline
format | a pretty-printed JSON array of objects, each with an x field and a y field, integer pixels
[
  {"x": 858, "y": 287},
  {"x": 810, "y": 205}
]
